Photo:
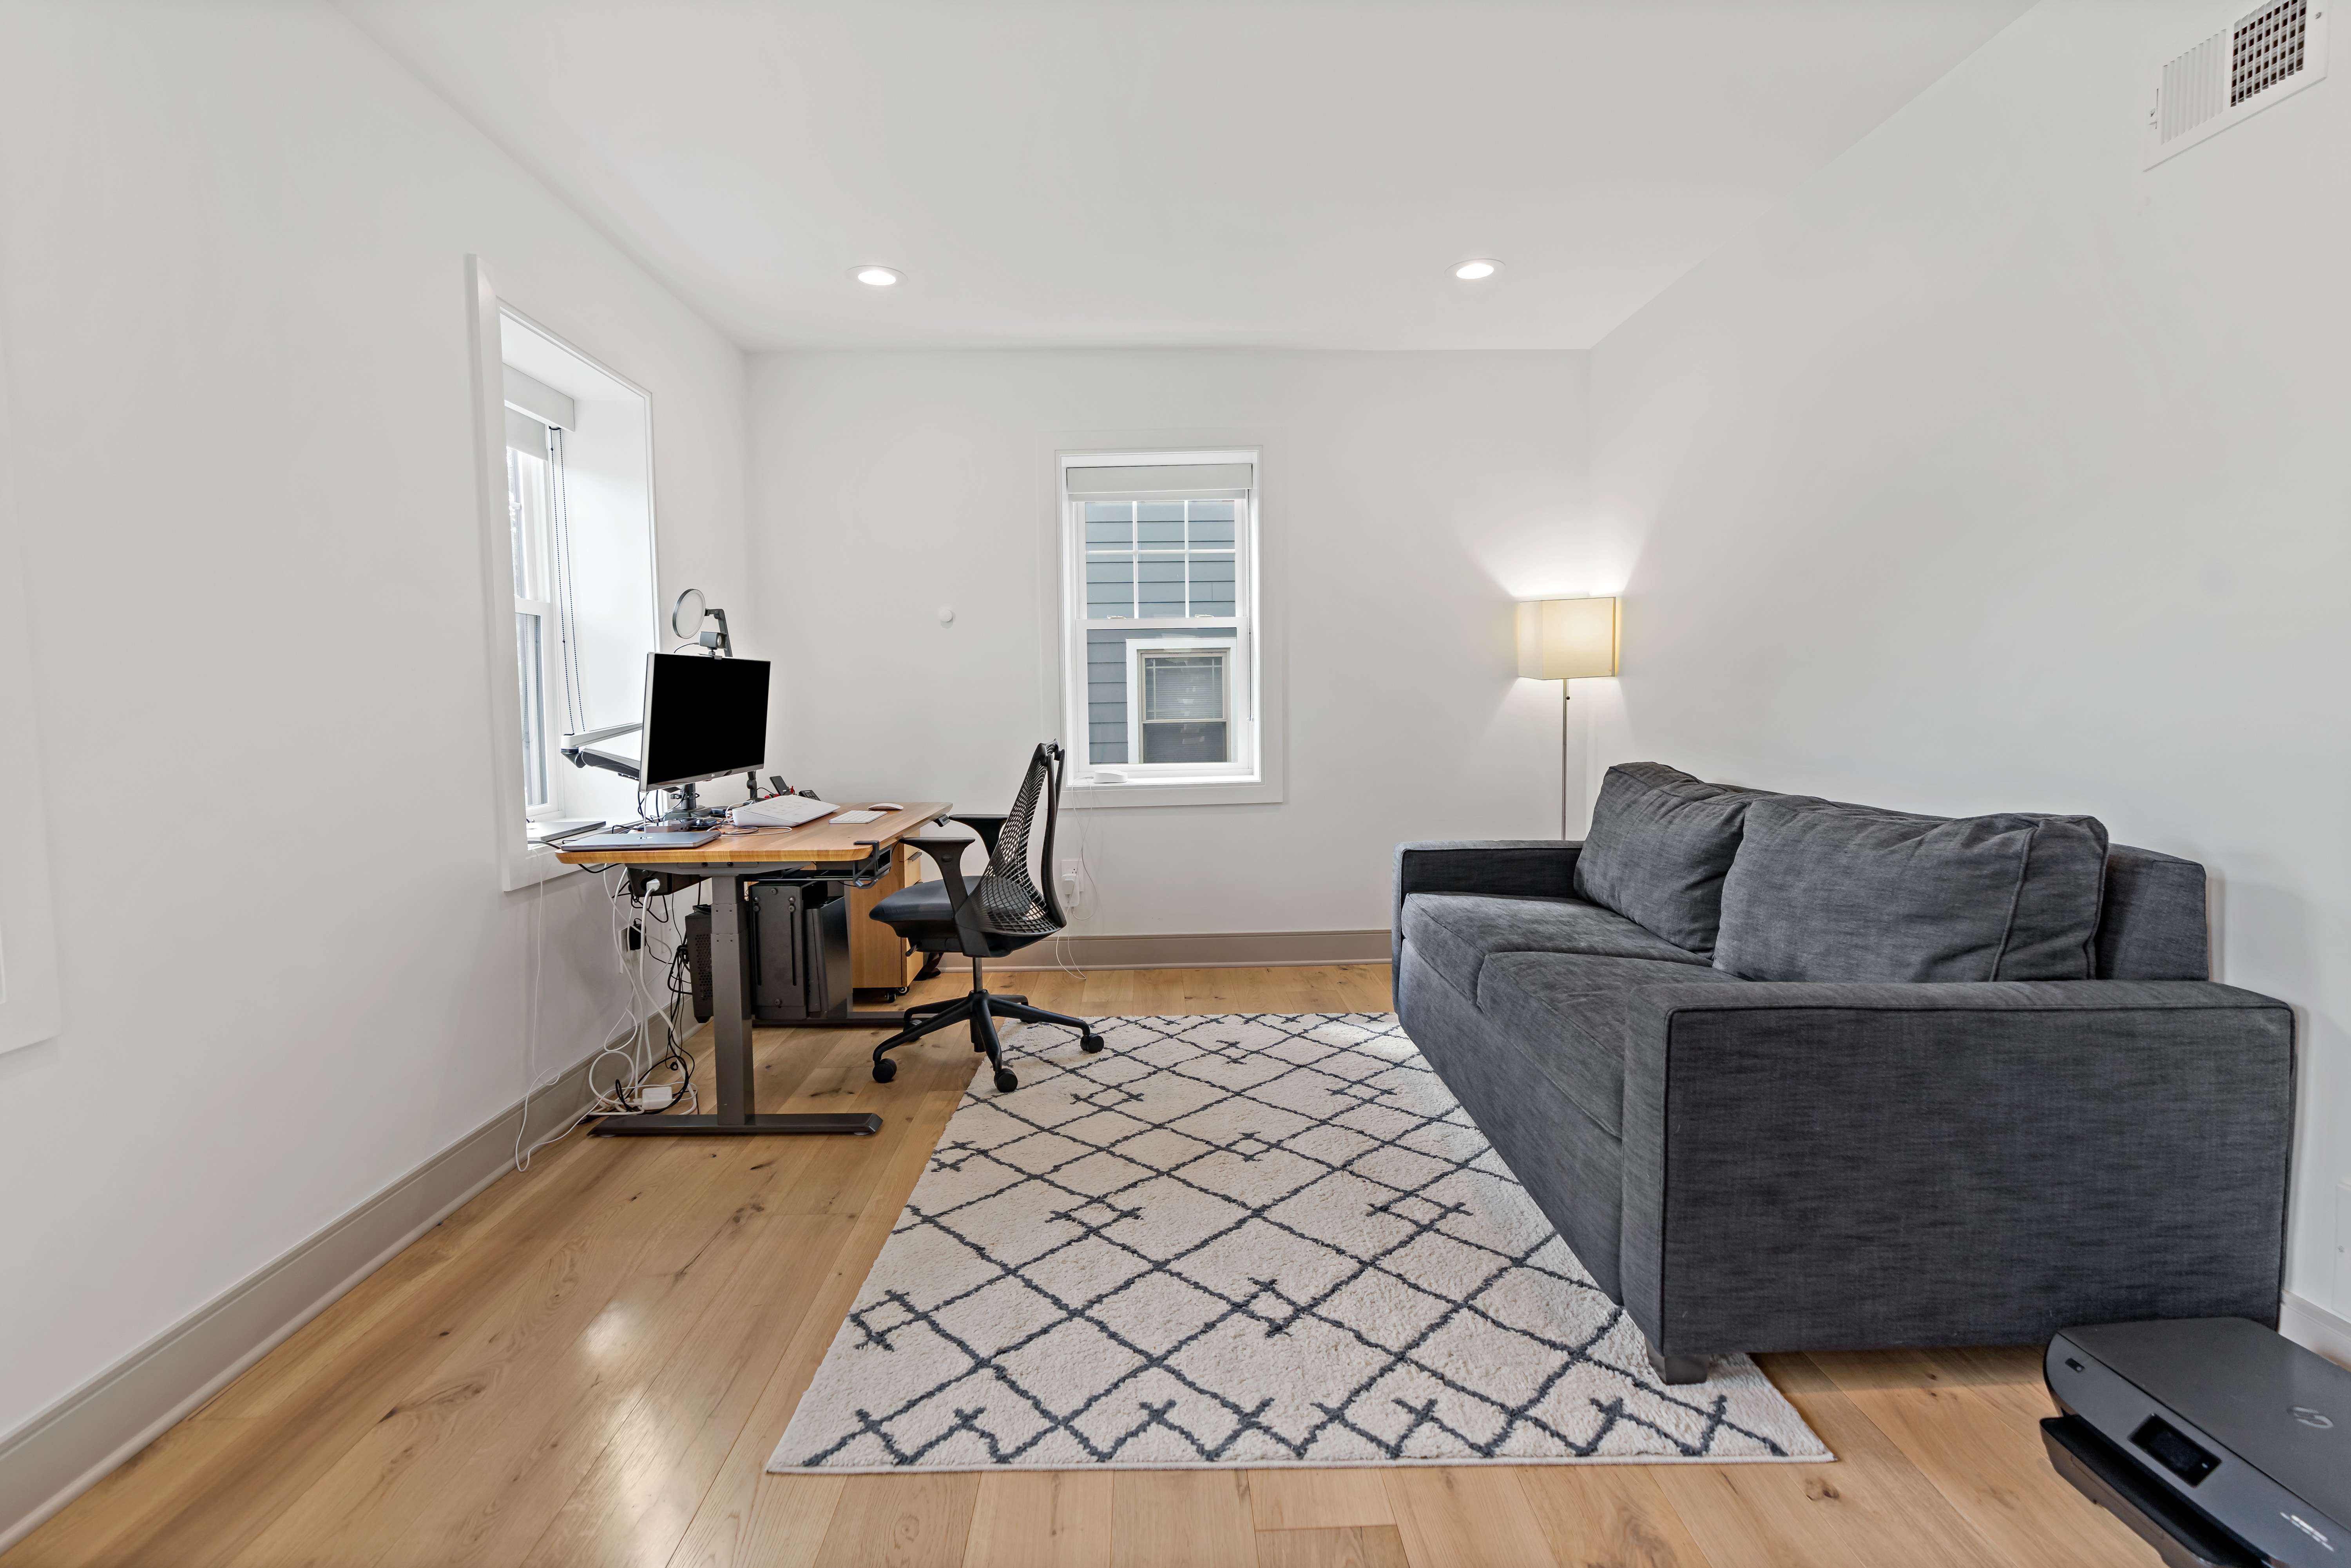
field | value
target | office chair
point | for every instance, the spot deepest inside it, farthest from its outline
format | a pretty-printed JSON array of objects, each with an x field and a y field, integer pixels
[{"x": 1000, "y": 914}]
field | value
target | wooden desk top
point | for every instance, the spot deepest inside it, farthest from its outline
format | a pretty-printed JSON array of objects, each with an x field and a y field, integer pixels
[{"x": 810, "y": 842}]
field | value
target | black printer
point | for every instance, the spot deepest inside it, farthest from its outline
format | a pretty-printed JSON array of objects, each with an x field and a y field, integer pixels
[{"x": 2222, "y": 1443}]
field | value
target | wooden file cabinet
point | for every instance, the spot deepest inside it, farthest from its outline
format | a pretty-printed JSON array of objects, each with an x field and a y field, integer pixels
[{"x": 879, "y": 956}]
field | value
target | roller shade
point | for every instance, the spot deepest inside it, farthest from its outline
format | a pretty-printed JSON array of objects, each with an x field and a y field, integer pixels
[
  {"x": 542, "y": 402},
  {"x": 525, "y": 433},
  {"x": 1196, "y": 481}
]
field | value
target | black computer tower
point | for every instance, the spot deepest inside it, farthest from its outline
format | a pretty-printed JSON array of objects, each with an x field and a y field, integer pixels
[
  {"x": 799, "y": 949},
  {"x": 796, "y": 950}
]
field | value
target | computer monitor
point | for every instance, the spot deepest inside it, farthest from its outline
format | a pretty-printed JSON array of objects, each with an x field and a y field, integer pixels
[{"x": 704, "y": 717}]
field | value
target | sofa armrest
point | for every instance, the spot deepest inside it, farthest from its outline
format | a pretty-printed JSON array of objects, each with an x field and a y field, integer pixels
[
  {"x": 1525, "y": 868},
  {"x": 1823, "y": 1165}
]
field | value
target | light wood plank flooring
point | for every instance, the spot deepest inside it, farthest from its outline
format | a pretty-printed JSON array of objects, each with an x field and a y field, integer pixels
[{"x": 589, "y": 1364}]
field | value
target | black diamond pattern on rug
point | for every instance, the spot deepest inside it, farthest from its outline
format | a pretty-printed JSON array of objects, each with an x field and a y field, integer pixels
[{"x": 1242, "y": 1240}]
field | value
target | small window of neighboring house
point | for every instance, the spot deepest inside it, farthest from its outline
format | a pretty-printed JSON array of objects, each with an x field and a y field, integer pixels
[
  {"x": 1160, "y": 552},
  {"x": 1179, "y": 702}
]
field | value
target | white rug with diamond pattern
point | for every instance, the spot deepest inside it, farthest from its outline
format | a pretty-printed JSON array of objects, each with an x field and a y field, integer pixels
[{"x": 1243, "y": 1240}]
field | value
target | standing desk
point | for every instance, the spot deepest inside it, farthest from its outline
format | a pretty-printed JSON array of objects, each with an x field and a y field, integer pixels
[{"x": 852, "y": 851}]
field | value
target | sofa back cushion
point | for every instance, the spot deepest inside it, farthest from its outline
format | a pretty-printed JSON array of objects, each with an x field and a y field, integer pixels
[
  {"x": 1823, "y": 891},
  {"x": 1659, "y": 845}
]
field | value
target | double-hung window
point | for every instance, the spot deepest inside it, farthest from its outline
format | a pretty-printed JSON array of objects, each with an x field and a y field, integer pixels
[
  {"x": 543, "y": 636},
  {"x": 574, "y": 548},
  {"x": 1160, "y": 648}
]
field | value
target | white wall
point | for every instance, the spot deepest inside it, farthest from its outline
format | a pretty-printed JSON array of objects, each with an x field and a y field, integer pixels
[
  {"x": 1408, "y": 498},
  {"x": 1995, "y": 473},
  {"x": 233, "y": 291}
]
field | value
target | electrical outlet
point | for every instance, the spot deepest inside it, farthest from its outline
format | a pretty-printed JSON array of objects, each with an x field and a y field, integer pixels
[
  {"x": 1073, "y": 884},
  {"x": 636, "y": 935}
]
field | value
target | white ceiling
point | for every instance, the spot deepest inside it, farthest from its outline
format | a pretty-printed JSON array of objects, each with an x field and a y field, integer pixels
[{"x": 1176, "y": 171}]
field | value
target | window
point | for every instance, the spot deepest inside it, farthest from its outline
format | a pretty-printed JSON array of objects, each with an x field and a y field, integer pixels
[
  {"x": 543, "y": 632},
  {"x": 1160, "y": 577},
  {"x": 1179, "y": 703},
  {"x": 571, "y": 544}
]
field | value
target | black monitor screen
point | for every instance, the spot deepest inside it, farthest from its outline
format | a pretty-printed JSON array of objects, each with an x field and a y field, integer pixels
[{"x": 704, "y": 716}]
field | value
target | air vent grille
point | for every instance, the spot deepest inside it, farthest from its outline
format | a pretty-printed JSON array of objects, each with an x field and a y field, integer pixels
[
  {"x": 2236, "y": 70},
  {"x": 2191, "y": 86},
  {"x": 2268, "y": 49}
]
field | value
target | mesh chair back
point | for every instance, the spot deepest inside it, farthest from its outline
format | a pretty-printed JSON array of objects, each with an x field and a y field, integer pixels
[{"x": 1010, "y": 902}]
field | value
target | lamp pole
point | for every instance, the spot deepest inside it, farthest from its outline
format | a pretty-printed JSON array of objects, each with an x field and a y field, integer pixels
[
  {"x": 1562, "y": 757},
  {"x": 1562, "y": 640}
]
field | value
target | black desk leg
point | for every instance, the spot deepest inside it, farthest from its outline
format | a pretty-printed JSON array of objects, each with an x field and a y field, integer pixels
[{"x": 731, "y": 1035}]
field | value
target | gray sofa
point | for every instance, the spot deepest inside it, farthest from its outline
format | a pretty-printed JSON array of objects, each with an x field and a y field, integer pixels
[{"x": 1791, "y": 1073}]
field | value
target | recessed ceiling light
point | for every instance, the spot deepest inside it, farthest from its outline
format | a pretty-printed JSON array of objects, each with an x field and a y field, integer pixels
[
  {"x": 1477, "y": 271},
  {"x": 877, "y": 277}
]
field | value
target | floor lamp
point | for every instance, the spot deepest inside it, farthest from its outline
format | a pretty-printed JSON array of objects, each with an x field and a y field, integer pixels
[{"x": 1566, "y": 639}]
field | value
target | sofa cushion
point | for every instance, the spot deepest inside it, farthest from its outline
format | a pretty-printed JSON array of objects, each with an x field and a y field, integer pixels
[
  {"x": 1566, "y": 1011},
  {"x": 1825, "y": 890},
  {"x": 1660, "y": 844},
  {"x": 1455, "y": 932}
]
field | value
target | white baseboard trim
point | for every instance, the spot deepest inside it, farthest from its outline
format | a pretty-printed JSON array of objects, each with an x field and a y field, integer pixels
[
  {"x": 64, "y": 1450},
  {"x": 1198, "y": 950},
  {"x": 2313, "y": 1327}
]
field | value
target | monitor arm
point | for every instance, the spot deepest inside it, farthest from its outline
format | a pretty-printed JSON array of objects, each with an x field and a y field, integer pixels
[{"x": 579, "y": 750}]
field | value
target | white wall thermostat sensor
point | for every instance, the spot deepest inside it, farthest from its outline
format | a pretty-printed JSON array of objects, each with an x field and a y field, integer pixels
[{"x": 947, "y": 616}]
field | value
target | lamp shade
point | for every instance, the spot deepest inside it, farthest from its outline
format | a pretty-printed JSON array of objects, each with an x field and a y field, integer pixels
[{"x": 1567, "y": 638}]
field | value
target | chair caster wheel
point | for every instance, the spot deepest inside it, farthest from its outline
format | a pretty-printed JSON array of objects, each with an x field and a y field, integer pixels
[
  {"x": 902, "y": 990},
  {"x": 1090, "y": 1043},
  {"x": 885, "y": 1071},
  {"x": 1005, "y": 1082}
]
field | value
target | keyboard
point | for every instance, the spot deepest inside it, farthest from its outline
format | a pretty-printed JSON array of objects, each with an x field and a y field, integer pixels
[{"x": 781, "y": 811}]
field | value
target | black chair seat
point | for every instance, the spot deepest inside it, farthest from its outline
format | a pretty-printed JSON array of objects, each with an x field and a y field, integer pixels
[
  {"x": 918, "y": 906},
  {"x": 923, "y": 913}
]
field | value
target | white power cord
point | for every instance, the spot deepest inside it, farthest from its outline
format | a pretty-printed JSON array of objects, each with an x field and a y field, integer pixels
[
  {"x": 1085, "y": 874},
  {"x": 633, "y": 1044}
]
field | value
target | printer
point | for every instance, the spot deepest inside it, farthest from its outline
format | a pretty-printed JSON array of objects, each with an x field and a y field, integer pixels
[{"x": 2221, "y": 1443}]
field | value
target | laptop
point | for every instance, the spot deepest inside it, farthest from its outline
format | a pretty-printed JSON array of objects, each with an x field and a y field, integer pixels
[{"x": 677, "y": 840}]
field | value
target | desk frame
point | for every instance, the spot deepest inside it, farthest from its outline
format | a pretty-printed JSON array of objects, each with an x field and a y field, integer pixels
[{"x": 819, "y": 848}]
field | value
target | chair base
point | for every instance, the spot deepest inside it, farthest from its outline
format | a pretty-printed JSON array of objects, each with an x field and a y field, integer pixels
[{"x": 980, "y": 1009}]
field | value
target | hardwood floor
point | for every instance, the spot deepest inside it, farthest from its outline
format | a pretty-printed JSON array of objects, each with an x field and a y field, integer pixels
[{"x": 589, "y": 1364}]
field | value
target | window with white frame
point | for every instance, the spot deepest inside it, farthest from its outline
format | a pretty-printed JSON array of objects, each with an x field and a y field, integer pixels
[
  {"x": 578, "y": 527},
  {"x": 544, "y": 637},
  {"x": 1159, "y": 575}
]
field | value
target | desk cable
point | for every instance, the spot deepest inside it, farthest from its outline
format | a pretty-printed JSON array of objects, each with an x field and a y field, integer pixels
[{"x": 640, "y": 1053}]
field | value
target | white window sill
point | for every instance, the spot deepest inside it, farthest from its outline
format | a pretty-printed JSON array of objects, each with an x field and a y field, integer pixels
[
  {"x": 537, "y": 864},
  {"x": 1173, "y": 793}
]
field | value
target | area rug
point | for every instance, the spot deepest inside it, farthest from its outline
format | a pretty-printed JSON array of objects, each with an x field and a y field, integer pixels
[{"x": 1249, "y": 1239}]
